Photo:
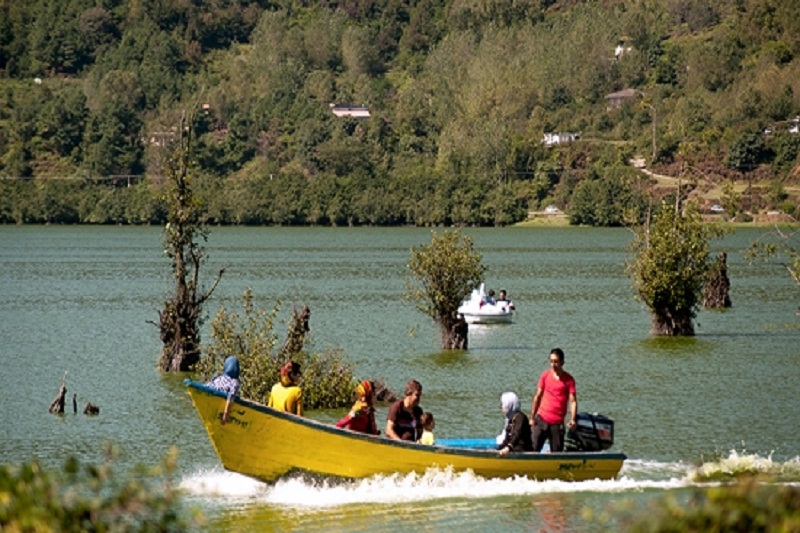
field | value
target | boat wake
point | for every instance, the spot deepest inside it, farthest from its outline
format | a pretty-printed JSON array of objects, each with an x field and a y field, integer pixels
[
  {"x": 308, "y": 492},
  {"x": 738, "y": 464}
]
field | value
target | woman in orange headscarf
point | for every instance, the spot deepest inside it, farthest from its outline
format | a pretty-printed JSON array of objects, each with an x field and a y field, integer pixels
[{"x": 361, "y": 417}]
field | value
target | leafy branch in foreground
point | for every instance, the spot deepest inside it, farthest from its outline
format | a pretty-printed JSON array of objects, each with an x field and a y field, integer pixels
[
  {"x": 747, "y": 505},
  {"x": 92, "y": 498},
  {"x": 327, "y": 380}
]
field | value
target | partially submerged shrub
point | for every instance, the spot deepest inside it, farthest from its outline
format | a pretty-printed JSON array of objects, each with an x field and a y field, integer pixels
[{"x": 327, "y": 380}]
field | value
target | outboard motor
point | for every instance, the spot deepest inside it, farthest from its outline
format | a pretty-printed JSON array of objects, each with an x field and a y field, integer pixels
[{"x": 593, "y": 433}]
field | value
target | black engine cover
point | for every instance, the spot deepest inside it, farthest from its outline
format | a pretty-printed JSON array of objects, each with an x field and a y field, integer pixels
[{"x": 593, "y": 433}]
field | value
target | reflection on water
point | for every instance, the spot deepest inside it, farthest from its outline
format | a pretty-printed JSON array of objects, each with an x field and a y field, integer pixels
[
  {"x": 552, "y": 513},
  {"x": 78, "y": 300}
]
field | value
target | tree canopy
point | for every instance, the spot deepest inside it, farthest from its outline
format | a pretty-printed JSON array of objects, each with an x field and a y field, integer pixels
[{"x": 460, "y": 95}]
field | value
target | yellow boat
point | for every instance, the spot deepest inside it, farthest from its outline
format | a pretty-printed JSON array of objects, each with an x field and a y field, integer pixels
[{"x": 265, "y": 444}]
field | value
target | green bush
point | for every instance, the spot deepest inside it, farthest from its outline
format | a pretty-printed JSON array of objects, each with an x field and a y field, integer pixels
[{"x": 327, "y": 381}]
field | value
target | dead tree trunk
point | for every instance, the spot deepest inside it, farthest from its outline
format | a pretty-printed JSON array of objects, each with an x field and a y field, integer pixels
[
  {"x": 57, "y": 405},
  {"x": 296, "y": 336},
  {"x": 715, "y": 292},
  {"x": 383, "y": 393},
  {"x": 454, "y": 331},
  {"x": 459, "y": 337}
]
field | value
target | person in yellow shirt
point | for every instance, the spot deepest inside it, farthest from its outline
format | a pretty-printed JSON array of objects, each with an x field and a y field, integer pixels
[
  {"x": 428, "y": 425},
  {"x": 287, "y": 395}
]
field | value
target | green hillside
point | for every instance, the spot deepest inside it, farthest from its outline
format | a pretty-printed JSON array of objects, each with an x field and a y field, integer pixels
[{"x": 460, "y": 95}]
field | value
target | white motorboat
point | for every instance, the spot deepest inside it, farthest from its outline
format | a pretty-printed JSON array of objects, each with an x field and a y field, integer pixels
[{"x": 481, "y": 309}]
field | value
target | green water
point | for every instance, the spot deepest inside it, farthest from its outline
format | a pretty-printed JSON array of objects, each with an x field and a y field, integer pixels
[{"x": 78, "y": 300}]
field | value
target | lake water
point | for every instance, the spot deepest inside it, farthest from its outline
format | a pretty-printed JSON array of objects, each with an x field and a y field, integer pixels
[{"x": 78, "y": 300}]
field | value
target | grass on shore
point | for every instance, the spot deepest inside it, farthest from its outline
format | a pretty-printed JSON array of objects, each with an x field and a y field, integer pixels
[{"x": 536, "y": 220}]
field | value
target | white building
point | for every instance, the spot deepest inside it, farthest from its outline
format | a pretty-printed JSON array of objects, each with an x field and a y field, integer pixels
[
  {"x": 357, "y": 111},
  {"x": 550, "y": 139}
]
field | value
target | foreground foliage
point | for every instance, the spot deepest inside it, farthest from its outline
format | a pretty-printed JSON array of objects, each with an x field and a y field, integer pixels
[
  {"x": 669, "y": 266},
  {"x": 448, "y": 269},
  {"x": 327, "y": 380},
  {"x": 747, "y": 505},
  {"x": 86, "y": 497}
]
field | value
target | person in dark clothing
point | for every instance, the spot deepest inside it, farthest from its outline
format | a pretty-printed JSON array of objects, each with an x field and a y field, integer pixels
[
  {"x": 516, "y": 435},
  {"x": 502, "y": 300},
  {"x": 403, "y": 421}
]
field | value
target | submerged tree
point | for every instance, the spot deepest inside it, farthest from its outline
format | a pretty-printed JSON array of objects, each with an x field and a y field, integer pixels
[
  {"x": 716, "y": 291},
  {"x": 670, "y": 266},
  {"x": 181, "y": 318},
  {"x": 449, "y": 268},
  {"x": 780, "y": 246}
]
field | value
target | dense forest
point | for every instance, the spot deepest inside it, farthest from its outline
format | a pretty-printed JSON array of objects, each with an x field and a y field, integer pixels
[{"x": 460, "y": 95}]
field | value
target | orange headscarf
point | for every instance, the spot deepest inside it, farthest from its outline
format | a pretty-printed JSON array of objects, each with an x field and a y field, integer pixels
[
  {"x": 288, "y": 371},
  {"x": 364, "y": 390}
]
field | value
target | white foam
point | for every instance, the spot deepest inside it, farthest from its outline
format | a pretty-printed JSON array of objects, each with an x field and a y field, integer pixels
[
  {"x": 737, "y": 463},
  {"x": 435, "y": 483},
  {"x": 220, "y": 483}
]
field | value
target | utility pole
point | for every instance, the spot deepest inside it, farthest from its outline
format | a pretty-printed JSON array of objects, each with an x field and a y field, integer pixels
[{"x": 653, "y": 112}]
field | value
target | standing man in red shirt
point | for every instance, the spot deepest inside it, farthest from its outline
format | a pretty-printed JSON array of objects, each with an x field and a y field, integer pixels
[{"x": 556, "y": 388}]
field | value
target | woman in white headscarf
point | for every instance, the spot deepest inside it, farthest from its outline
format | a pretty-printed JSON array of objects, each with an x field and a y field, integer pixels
[{"x": 516, "y": 435}]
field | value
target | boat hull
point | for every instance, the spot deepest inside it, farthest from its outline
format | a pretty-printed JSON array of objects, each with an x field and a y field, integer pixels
[
  {"x": 481, "y": 310},
  {"x": 265, "y": 444},
  {"x": 483, "y": 318}
]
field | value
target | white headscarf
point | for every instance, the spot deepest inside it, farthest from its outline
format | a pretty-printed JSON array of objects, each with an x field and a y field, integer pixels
[{"x": 509, "y": 402}]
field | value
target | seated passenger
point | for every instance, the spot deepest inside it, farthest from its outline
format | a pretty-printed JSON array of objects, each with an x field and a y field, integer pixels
[
  {"x": 428, "y": 425},
  {"x": 490, "y": 297},
  {"x": 361, "y": 417},
  {"x": 287, "y": 395},
  {"x": 517, "y": 431},
  {"x": 403, "y": 421},
  {"x": 227, "y": 382},
  {"x": 502, "y": 299}
]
